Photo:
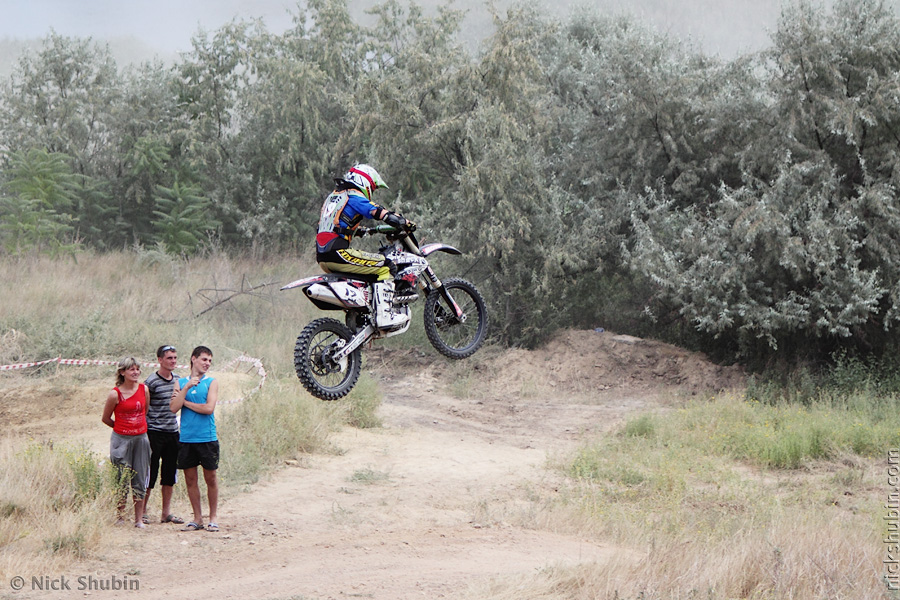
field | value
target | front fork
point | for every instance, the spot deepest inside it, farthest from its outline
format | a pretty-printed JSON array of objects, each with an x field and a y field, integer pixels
[{"x": 436, "y": 284}]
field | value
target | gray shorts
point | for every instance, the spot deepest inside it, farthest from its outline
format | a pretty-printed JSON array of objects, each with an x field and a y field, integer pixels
[{"x": 132, "y": 452}]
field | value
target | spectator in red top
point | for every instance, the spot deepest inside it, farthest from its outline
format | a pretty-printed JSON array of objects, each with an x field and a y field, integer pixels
[{"x": 129, "y": 449}]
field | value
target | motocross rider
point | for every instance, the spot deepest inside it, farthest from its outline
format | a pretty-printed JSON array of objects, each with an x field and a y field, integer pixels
[{"x": 342, "y": 212}]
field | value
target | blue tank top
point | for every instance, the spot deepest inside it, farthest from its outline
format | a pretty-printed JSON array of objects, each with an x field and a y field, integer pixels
[{"x": 196, "y": 427}]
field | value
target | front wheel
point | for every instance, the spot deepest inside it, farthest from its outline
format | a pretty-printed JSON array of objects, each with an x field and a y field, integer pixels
[
  {"x": 320, "y": 373},
  {"x": 451, "y": 335}
]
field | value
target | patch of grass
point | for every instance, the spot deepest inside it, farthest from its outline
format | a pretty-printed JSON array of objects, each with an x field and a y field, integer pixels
[
  {"x": 281, "y": 421},
  {"x": 461, "y": 387},
  {"x": 11, "y": 509},
  {"x": 782, "y": 436},
  {"x": 360, "y": 406},
  {"x": 72, "y": 544},
  {"x": 643, "y": 426},
  {"x": 848, "y": 376},
  {"x": 369, "y": 476},
  {"x": 52, "y": 308}
]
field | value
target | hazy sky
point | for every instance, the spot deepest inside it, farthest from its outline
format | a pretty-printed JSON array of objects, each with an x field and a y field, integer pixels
[
  {"x": 165, "y": 24},
  {"x": 724, "y": 27}
]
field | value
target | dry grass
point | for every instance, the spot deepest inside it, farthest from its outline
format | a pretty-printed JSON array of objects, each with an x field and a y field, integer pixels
[
  {"x": 696, "y": 522},
  {"x": 110, "y": 305},
  {"x": 782, "y": 559},
  {"x": 55, "y": 503},
  {"x": 785, "y": 560}
]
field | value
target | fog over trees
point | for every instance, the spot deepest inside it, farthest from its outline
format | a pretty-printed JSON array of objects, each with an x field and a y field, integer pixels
[
  {"x": 142, "y": 30},
  {"x": 596, "y": 171}
]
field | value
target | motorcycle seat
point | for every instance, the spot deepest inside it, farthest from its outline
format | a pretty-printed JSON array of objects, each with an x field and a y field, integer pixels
[{"x": 368, "y": 278}]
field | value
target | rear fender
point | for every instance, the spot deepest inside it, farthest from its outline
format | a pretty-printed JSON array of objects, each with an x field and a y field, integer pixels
[{"x": 306, "y": 282}]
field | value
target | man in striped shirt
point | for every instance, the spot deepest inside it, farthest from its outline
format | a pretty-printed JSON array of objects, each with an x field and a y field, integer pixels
[{"x": 162, "y": 429}]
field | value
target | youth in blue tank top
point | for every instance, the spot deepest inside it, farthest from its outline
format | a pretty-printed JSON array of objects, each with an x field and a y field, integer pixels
[{"x": 196, "y": 427}]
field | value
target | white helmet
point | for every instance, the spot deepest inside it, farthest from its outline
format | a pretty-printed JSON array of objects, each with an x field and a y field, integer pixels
[{"x": 365, "y": 179}]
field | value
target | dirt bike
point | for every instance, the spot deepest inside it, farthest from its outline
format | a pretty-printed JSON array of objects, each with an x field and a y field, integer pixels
[{"x": 327, "y": 355}]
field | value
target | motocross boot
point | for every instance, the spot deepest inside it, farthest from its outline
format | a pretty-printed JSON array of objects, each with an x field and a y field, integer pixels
[{"x": 385, "y": 315}]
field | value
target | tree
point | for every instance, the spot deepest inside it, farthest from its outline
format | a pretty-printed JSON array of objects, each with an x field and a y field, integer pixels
[
  {"x": 61, "y": 100},
  {"x": 148, "y": 154},
  {"x": 291, "y": 119},
  {"x": 34, "y": 212},
  {"x": 799, "y": 258},
  {"x": 481, "y": 130},
  {"x": 182, "y": 218}
]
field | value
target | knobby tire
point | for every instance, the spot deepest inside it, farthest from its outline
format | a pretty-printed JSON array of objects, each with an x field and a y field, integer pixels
[
  {"x": 449, "y": 336},
  {"x": 322, "y": 378}
]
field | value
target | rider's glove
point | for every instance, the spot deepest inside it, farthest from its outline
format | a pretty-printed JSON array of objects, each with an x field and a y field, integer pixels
[
  {"x": 410, "y": 226},
  {"x": 395, "y": 220}
]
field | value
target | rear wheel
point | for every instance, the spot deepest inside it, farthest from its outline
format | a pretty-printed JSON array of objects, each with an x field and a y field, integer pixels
[
  {"x": 451, "y": 335},
  {"x": 320, "y": 373}
]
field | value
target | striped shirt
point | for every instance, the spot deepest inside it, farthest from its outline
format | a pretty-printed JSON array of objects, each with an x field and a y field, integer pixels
[{"x": 160, "y": 417}]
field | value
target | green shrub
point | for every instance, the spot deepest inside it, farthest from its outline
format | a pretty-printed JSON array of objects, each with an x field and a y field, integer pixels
[
  {"x": 643, "y": 426},
  {"x": 275, "y": 424}
]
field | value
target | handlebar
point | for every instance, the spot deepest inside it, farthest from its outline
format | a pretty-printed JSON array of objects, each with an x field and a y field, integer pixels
[
  {"x": 392, "y": 233},
  {"x": 382, "y": 229}
]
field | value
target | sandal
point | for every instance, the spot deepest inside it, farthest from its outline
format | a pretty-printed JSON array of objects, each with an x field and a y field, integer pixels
[
  {"x": 212, "y": 527},
  {"x": 145, "y": 520},
  {"x": 172, "y": 519},
  {"x": 192, "y": 526}
]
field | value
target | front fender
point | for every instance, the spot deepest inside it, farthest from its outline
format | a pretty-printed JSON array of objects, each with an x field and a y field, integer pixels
[{"x": 438, "y": 247}]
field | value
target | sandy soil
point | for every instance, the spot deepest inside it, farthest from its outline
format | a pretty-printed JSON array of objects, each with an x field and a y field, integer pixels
[{"x": 433, "y": 502}]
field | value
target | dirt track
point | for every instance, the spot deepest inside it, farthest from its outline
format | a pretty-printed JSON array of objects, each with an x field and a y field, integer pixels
[{"x": 432, "y": 503}]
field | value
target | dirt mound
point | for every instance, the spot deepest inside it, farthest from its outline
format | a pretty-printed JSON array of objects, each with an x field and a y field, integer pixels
[
  {"x": 580, "y": 383},
  {"x": 588, "y": 363}
]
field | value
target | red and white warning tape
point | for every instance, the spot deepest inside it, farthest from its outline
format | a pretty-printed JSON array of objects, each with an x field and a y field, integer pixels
[
  {"x": 70, "y": 361},
  {"x": 26, "y": 365},
  {"x": 260, "y": 370},
  {"x": 233, "y": 363}
]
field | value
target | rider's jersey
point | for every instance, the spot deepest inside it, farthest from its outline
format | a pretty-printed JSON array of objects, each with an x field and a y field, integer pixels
[{"x": 342, "y": 212}]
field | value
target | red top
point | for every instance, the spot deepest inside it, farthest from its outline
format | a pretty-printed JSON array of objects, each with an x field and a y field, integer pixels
[{"x": 131, "y": 413}]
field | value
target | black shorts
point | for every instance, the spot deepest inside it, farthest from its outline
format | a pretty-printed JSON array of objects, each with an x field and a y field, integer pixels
[
  {"x": 163, "y": 447},
  {"x": 205, "y": 454}
]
